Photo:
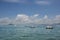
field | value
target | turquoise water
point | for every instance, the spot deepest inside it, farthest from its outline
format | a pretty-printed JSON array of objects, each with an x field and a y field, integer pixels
[{"x": 10, "y": 32}]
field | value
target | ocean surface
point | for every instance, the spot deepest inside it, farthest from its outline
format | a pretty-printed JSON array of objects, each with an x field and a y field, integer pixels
[{"x": 19, "y": 32}]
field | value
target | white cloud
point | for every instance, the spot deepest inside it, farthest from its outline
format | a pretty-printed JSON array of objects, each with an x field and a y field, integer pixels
[
  {"x": 21, "y": 18},
  {"x": 45, "y": 17},
  {"x": 25, "y": 19},
  {"x": 15, "y": 1},
  {"x": 42, "y": 2},
  {"x": 5, "y": 21},
  {"x": 11, "y": 0},
  {"x": 36, "y": 15},
  {"x": 57, "y": 19}
]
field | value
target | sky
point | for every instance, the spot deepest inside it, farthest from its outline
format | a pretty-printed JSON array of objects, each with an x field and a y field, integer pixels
[{"x": 25, "y": 11}]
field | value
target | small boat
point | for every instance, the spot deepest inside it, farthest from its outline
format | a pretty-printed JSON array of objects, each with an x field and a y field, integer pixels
[
  {"x": 32, "y": 27},
  {"x": 49, "y": 27},
  {"x": 10, "y": 24}
]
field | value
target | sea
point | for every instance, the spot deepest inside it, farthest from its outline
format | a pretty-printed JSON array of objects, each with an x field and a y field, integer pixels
[{"x": 20, "y": 32}]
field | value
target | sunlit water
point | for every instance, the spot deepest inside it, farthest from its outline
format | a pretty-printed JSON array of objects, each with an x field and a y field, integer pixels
[{"x": 11, "y": 32}]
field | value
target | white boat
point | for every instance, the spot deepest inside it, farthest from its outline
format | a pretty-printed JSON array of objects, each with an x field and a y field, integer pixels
[
  {"x": 32, "y": 26},
  {"x": 49, "y": 27}
]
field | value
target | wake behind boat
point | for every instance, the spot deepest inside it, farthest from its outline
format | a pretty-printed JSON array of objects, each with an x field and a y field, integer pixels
[{"x": 30, "y": 26}]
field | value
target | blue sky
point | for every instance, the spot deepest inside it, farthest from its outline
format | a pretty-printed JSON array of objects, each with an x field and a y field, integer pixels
[
  {"x": 29, "y": 11},
  {"x": 10, "y": 8}
]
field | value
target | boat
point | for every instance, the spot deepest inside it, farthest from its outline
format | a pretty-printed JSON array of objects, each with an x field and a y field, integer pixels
[
  {"x": 49, "y": 27},
  {"x": 32, "y": 27},
  {"x": 10, "y": 24}
]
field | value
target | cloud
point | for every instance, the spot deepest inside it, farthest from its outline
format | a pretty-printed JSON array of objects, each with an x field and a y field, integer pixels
[
  {"x": 21, "y": 18},
  {"x": 57, "y": 19},
  {"x": 11, "y": 0},
  {"x": 5, "y": 21},
  {"x": 42, "y": 2},
  {"x": 34, "y": 19},
  {"x": 15, "y": 1},
  {"x": 36, "y": 15},
  {"x": 45, "y": 17}
]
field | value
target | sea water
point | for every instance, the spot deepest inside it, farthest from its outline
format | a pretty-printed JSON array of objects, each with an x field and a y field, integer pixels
[{"x": 11, "y": 32}]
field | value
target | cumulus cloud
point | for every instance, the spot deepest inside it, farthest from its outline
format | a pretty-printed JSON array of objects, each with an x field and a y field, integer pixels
[
  {"x": 25, "y": 19},
  {"x": 42, "y": 2},
  {"x": 57, "y": 19},
  {"x": 15, "y": 1},
  {"x": 5, "y": 21},
  {"x": 36, "y": 15},
  {"x": 45, "y": 17},
  {"x": 21, "y": 18}
]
